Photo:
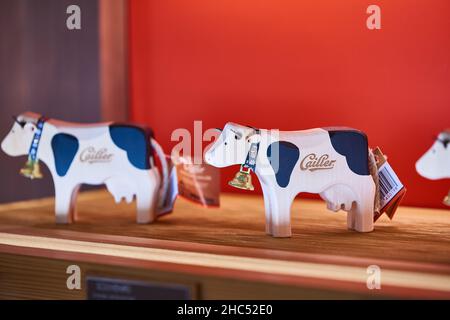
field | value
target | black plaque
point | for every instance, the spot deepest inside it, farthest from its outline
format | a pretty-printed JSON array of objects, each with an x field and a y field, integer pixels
[{"x": 99, "y": 288}]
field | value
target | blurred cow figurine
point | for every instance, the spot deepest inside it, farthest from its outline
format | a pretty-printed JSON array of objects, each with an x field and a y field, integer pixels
[
  {"x": 332, "y": 162},
  {"x": 117, "y": 155},
  {"x": 435, "y": 163}
]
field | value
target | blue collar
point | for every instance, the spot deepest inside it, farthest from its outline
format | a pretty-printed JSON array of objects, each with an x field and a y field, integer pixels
[
  {"x": 32, "y": 153},
  {"x": 250, "y": 161}
]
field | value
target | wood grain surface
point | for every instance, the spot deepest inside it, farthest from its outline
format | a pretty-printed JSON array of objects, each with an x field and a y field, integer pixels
[
  {"x": 230, "y": 242},
  {"x": 415, "y": 234}
]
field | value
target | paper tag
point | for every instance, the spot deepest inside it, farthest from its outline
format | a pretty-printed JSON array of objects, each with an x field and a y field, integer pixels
[
  {"x": 391, "y": 189},
  {"x": 199, "y": 183},
  {"x": 166, "y": 205},
  {"x": 390, "y": 184}
]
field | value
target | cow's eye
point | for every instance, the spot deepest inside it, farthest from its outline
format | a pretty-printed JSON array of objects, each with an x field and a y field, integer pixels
[{"x": 236, "y": 137}]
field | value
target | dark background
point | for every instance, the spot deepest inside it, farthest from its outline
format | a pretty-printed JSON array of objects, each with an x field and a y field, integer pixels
[{"x": 45, "y": 68}]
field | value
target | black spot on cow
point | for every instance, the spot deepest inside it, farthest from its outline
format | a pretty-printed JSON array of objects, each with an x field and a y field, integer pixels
[
  {"x": 135, "y": 141},
  {"x": 284, "y": 165},
  {"x": 353, "y": 145},
  {"x": 65, "y": 147}
]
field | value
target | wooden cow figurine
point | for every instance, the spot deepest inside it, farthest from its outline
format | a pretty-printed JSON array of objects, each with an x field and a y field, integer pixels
[
  {"x": 435, "y": 163},
  {"x": 332, "y": 162},
  {"x": 117, "y": 155}
]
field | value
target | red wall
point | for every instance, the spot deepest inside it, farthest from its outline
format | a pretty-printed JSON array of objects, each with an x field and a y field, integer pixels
[{"x": 293, "y": 64}]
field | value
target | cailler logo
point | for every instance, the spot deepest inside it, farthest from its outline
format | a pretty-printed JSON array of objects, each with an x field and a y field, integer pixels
[
  {"x": 312, "y": 162},
  {"x": 91, "y": 155}
]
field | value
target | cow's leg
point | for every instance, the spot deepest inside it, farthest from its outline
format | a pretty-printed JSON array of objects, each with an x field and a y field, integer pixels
[
  {"x": 65, "y": 202},
  {"x": 351, "y": 217},
  {"x": 363, "y": 215},
  {"x": 281, "y": 214},
  {"x": 146, "y": 197},
  {"x": 267, "y": 208},
  {"x": 363, "y": 209}
]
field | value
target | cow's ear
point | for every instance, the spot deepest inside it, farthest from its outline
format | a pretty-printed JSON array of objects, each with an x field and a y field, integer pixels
[
  {"x": 29, "y": 126},
  {"x": 446, "y": 142},
  {"x": 19, "y": 122}
]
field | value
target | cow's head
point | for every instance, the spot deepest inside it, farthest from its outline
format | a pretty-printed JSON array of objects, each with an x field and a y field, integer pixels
[
  {"x": 435, "y": 163},
  {"x": 232, "y": 146},
  {"x": 19, "y": 138}
]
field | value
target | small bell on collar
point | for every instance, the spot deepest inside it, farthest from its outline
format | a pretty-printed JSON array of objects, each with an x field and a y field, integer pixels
[
  {"x": 447, "y": 199},
  {"x": 242, "y": 180},
  {"x": 31, "y": 170}
]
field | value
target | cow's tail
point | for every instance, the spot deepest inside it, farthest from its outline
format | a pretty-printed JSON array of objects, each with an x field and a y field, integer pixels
[{"x": 165, "y": 171}]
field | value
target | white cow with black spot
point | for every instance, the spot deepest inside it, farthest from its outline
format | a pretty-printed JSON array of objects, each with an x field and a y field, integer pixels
[
  {"x": 332, "y": 162},
  {"x": 117, "y": 155}
]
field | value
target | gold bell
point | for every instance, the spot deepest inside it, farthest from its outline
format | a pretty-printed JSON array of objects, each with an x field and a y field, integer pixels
[
  {"x": 31, "y": 170},
  {"x": 242, "y": 180},
  {"x": 447, "y": 199}
]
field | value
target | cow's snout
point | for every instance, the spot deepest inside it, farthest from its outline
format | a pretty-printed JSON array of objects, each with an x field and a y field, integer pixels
[
  {"x": 208, "y": 157},
  {"x": 13, "y": 146},
  {"x": 4, "y": 146}
]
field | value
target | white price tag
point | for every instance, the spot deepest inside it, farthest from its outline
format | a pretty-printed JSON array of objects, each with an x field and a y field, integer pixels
[{"x": 390, "y": 184}]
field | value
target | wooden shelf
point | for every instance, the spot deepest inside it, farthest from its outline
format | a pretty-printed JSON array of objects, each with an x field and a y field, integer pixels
[{"x": 224, "y": 252}]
